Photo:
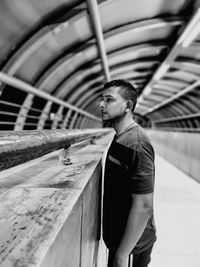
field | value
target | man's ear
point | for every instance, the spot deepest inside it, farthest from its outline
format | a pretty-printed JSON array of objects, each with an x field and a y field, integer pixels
[{"x": 129, "y": 105}]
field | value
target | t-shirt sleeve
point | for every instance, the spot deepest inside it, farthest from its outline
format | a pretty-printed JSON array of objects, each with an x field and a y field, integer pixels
[{"x": 142, "y": 169}]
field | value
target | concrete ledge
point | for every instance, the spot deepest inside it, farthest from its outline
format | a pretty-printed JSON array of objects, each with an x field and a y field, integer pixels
[
  {"x": 17, "y": 147},
  {"x": 50, "y": 212}
]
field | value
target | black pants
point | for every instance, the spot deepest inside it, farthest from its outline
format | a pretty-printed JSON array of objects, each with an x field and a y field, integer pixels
[{"x": 139, "y": 260}]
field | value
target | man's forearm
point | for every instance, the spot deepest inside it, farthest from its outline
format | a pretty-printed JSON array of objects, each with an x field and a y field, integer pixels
[{"x": 136, "y": 223}]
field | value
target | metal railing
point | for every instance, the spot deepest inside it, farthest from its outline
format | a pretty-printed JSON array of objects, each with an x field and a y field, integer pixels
[
  {"x": 179, "y": 121},
  {"x": 53, "y": 113},
  {"x": 185, "y": 117},
  {"x": 176, "y": 129}
]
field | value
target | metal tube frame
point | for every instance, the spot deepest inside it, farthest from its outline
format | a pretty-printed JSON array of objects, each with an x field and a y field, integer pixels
[{"x": 96, "y": 22}]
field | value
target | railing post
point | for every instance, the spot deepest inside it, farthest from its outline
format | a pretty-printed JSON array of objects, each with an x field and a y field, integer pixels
[
  {"x": 65, "y": 122},
  {"x": 83, "y": 123},
  {"x": 58, "y": 117},
  {"x": 44, "y": 115},
  {"x": 73, "y": 120},
  {"x": 78, "y": 122},
  {"x": 21, "y": 118}
]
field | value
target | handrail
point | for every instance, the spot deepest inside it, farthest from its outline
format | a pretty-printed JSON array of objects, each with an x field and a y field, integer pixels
[
  {"x": 177, "y": 118},
  {"x": 8, "y": 113},
  {"x": 14, "y": 82},
  {"x": 18, "y": 106},
  {"x": 17, "y": 147},
  {"x": 175, "y": 129},
  {"x": 10, "y": 104}
]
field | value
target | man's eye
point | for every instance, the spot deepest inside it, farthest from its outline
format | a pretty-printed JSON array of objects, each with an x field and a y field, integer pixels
[{"x": 109, "y": 100}]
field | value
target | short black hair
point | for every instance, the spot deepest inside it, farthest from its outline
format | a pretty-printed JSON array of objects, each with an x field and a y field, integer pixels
[{"x": 127, "y": 90}]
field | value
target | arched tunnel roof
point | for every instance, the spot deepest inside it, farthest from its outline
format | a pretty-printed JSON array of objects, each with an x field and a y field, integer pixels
[{"x": 53, "y": 48}]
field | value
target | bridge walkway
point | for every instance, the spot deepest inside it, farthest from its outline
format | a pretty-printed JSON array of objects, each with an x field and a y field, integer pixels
[{"x": 177, "y": 215}]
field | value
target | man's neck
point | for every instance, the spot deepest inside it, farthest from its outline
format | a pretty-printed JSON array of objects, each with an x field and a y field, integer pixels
[{"x": 123, "y": 124}]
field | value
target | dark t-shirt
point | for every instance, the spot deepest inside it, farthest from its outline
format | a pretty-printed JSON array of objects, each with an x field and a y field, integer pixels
[{"x": 129, "y": 170}]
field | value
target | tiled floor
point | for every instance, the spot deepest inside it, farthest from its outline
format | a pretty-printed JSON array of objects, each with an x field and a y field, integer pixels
[{"x": 177, "y": 216}]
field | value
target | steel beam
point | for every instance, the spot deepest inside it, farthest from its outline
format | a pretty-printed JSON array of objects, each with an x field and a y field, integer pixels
[
  {"x": 95, "y": 18},
  {"x": 171, "y": 99},
  {"x": 186, "y": 117},
  {"x": 170, "y": 58}
]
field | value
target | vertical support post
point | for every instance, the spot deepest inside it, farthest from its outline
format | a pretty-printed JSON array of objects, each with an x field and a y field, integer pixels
[
  {"x": 64, "y": 126},
  {"x": 76, "y": 123},
  {"x": 58, "y": 117},
  {"x": 73, "y": 120},
  {"x": 80, "y": 121},
  {"x": 19, "y": 125},
  {"x": 44, "y": 115},
  {"x": 83, "y": 123}
]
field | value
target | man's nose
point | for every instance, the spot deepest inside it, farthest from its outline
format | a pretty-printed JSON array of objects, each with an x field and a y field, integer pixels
[{"x": 102, "y": 104}]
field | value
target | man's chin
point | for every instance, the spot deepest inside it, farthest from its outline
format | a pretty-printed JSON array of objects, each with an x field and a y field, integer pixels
[
  {"x": 105, "y": 117},
  {"x": 107, "y": 123}
]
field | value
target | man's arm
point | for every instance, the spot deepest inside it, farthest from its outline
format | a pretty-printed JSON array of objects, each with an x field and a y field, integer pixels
[{"x": 141, "y": 210}]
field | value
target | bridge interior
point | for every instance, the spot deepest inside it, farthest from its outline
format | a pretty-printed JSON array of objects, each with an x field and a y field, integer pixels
[{"x": 55, "y": 57}]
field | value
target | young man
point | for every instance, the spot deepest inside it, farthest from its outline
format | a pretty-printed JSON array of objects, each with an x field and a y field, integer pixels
[{"x": 128, "y": 223}]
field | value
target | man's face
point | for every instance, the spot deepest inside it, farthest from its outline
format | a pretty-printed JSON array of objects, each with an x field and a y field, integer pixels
[{"x": 112, "y": 105}]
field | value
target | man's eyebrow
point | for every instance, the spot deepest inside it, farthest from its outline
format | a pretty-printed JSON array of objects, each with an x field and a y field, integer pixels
[
  {"x": 100, "y": 97},
  {"x": 108, "y": 95}
]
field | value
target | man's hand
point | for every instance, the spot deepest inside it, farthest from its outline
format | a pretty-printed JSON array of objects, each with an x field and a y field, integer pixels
[{"x": 120, "y": 261}]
